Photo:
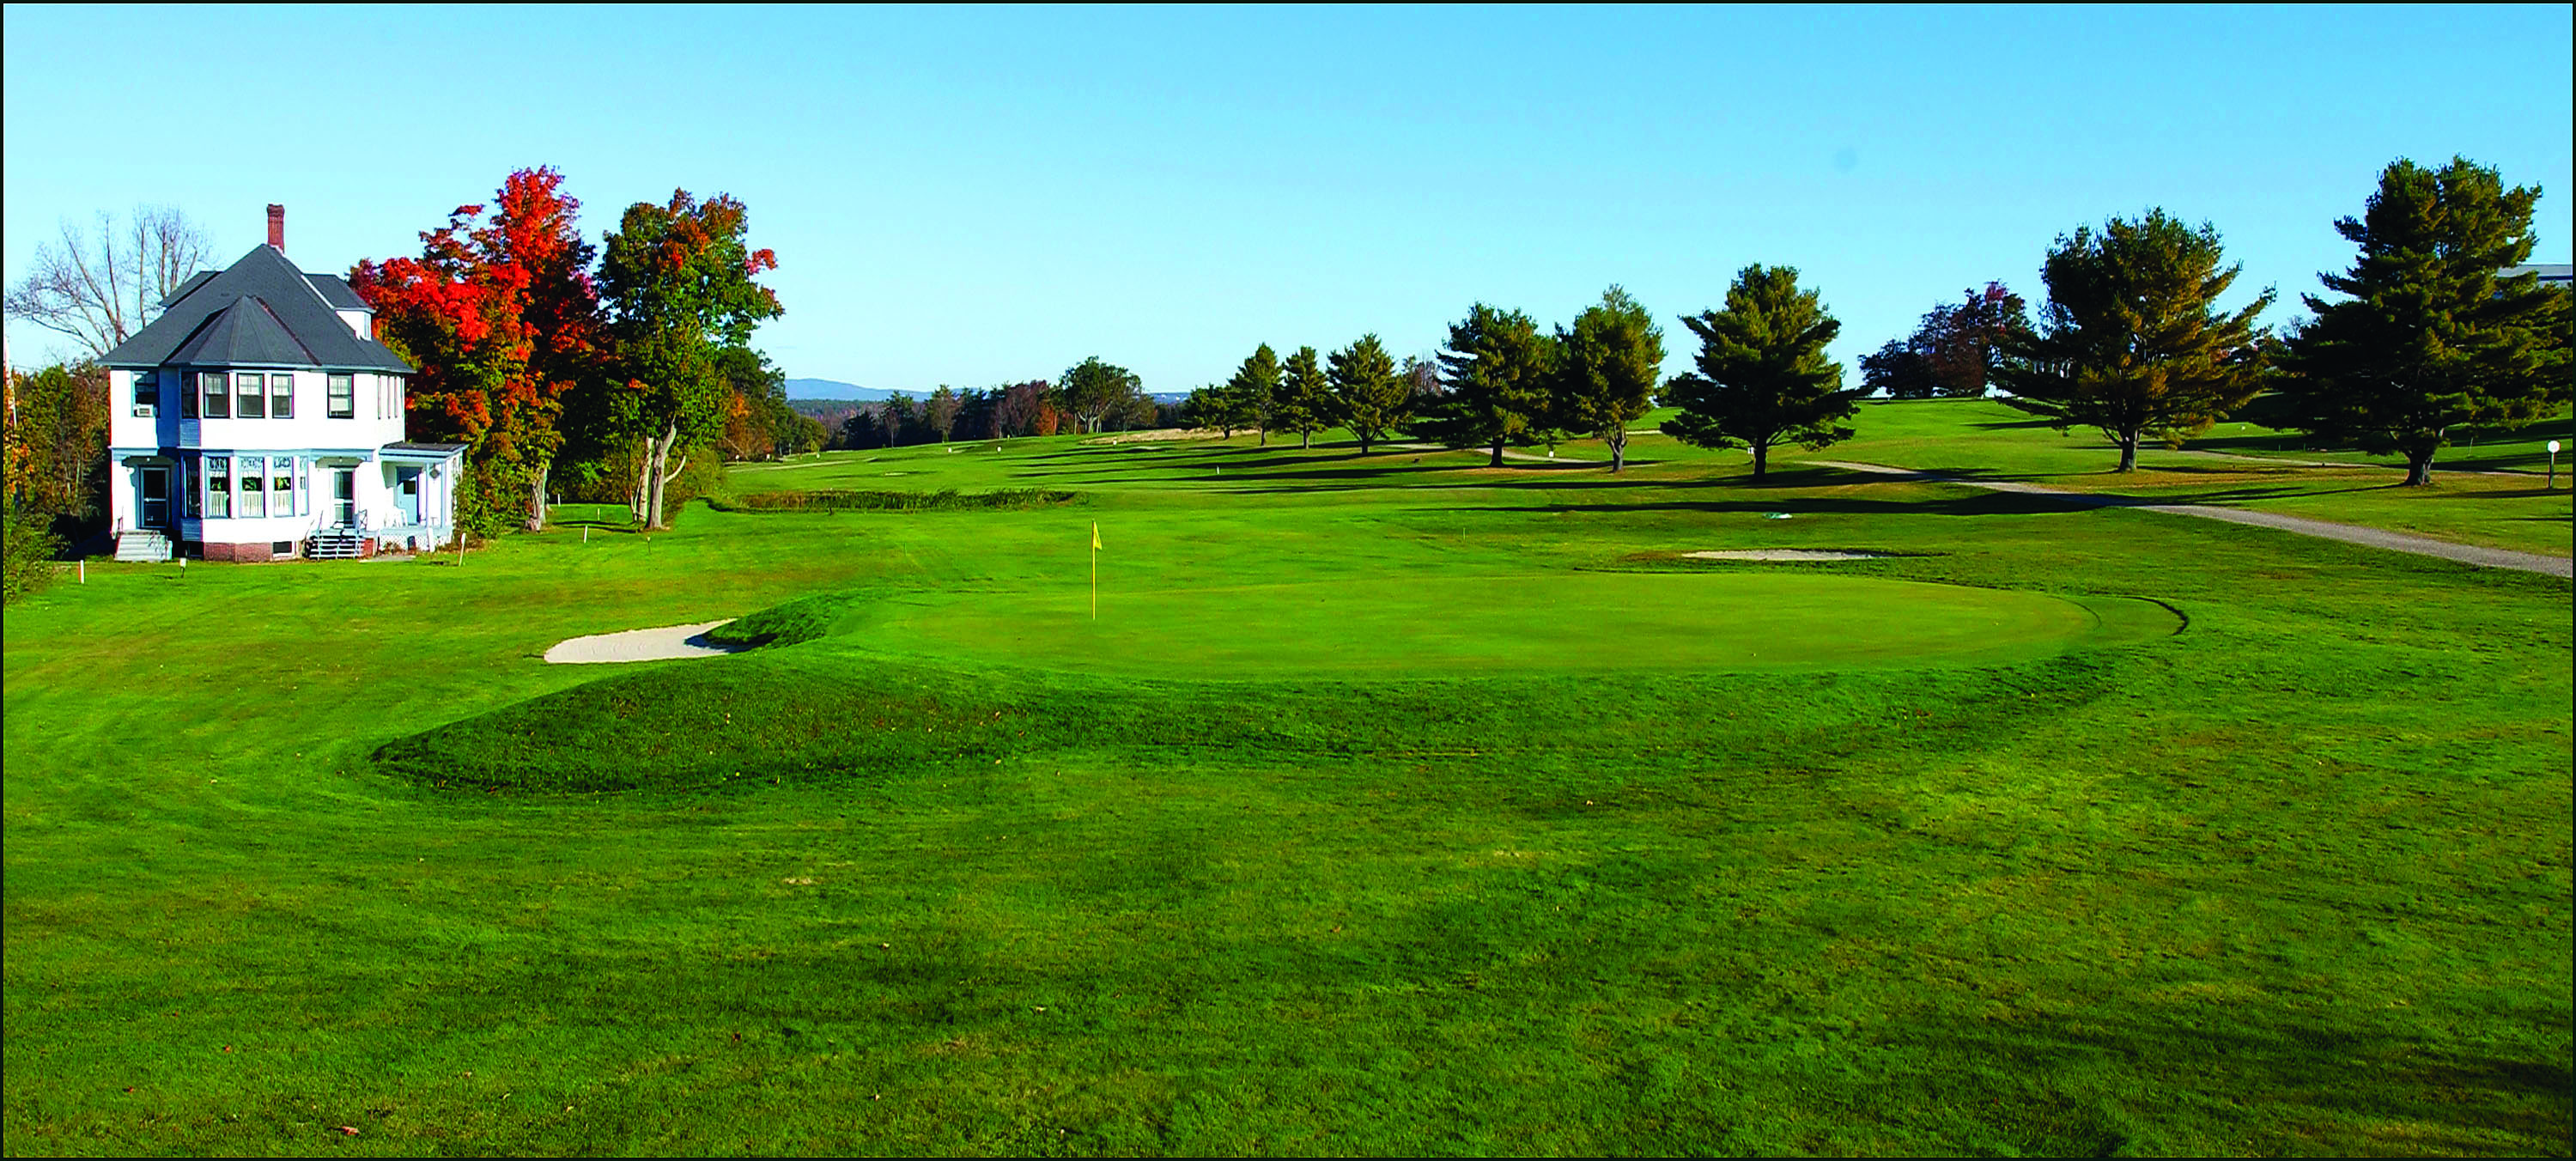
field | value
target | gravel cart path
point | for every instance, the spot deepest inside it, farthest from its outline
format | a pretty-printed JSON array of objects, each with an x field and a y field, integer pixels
[{"x": 2348, "y": 533}]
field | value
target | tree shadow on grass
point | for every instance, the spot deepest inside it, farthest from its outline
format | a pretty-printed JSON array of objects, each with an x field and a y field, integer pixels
[
  {"x": 1980, "y": 504},
  {"x": 2099, "y": 1085}
]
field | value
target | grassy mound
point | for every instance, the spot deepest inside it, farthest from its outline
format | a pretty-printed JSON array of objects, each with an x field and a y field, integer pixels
[
  {"x": 843, "y": 718},
  {"x": 791, "y": 623}
]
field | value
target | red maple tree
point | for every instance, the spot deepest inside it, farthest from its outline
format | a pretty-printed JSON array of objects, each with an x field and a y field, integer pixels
[{"x": 501, "y": 316}]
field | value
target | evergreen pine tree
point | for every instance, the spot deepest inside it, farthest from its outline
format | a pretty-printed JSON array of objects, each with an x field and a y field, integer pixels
[
  {"x": 1763, "y": 378},
  {"x": 2429, "y": 335},
  {"x": 1250, "y": 390},
  {"x": 1606, "y": 374},
  {"x": 1495, "y": 368},
  {"x": 2131, "y": 341},
  {"x": 1303, "y": 401},
  {"x": 1368, "y": 396}
]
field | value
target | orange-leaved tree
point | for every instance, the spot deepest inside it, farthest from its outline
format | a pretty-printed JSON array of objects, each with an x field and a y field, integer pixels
[{"x": 501, "y": 317}]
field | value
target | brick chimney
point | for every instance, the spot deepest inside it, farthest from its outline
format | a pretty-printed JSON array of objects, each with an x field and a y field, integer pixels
[{"x": 277, "y": 227}]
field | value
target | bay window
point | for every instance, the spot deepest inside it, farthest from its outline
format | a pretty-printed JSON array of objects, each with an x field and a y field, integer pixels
[
  {"x": 253, "y": 391},
  {"x": 281, "y": 487},
  {"x": 281, "y": 397}
]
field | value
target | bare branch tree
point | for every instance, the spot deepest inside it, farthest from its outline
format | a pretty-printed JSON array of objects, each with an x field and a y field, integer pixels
[{"x": 101, "y": 290}]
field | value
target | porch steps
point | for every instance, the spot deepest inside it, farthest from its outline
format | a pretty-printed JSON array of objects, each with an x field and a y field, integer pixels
[
  {"x": 144, "y": 546},
  {"x": 337, "y": 544}
]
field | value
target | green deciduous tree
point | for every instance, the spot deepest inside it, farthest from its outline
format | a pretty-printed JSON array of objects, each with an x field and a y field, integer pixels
[
  {"x": 1090, "y": 390},
  {"x": 2132, "y": 341},
  {"x": 678, "y": 282},
  {"x": 1608, "y": 365},
  {"x": 1303, "y": 402},
  {"x": 1900, "y": 372},
  {"x": 1367, "y": 393},
  {"x": 1248, "y": 393},
  {"x": 56, "y": 426},
  {"x": 2428, "y": 337},
  {"x": 1495, "y": 370},
  {"x": 1763, "y": 379}
]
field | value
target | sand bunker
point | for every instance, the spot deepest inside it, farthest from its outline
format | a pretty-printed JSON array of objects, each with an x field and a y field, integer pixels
[
  {"x": 642, "y": 645},
  {"x": 1787, "y": 554}
]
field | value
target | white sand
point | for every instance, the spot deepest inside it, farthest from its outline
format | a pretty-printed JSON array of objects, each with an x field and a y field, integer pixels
[
  {"x": 642, "y": 645},
  {"x": 1785, "y": 554}
]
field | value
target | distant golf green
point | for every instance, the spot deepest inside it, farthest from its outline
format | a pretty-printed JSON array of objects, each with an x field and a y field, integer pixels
[{"x": 1430, "y": 625}]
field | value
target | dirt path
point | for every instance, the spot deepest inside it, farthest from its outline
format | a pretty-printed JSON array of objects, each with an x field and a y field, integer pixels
[
  {"x": 2327, "y": 529},
  {"x": 641, "y": 645}
]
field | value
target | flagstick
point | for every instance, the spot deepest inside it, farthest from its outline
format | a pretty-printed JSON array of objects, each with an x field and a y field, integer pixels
[{"x": 1095, "y": 570}]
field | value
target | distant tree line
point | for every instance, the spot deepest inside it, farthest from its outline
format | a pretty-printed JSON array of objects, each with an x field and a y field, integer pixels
[
  {"x": 1501, "y": 380},
  {"x": 1092, "y": 396}
]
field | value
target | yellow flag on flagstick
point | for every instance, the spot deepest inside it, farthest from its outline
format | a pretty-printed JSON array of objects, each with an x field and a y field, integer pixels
[{"x": 1095, "y": 536}]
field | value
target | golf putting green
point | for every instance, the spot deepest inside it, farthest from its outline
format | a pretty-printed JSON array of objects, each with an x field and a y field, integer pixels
[{"x": 1577, "y": 621}]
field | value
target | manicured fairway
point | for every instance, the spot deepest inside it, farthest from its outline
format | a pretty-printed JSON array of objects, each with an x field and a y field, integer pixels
[
  {"x": 1394, "y": 804},
  {"x": 1527, "y": 622}
]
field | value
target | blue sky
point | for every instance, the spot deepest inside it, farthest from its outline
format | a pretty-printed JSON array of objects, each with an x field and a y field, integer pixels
[{"x": 973, "y": 196}]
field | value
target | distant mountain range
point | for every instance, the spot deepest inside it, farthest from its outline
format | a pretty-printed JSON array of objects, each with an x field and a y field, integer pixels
[{"x": 833, "y": 389}]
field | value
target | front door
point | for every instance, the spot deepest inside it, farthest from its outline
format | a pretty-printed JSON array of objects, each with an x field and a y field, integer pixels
[
  {"x": 152, "y": 486},
  {"x": 407, "y": 493},
  {"x": 344, "y": 497}
]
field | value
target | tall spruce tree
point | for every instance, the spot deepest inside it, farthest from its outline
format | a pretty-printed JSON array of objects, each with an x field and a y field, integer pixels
[
  {"x": 1303, "y": 401},
  {"x": 2132, "y": 341},
  {"x": 1250, "y": 390},
  {"x": 2429, "y": 335},
  {"x": 1609, "y": 363},
  {"x": 1763, "y": 378},
  {"x": 1495, "y": 369},
  {"x": 1367, "y": 395}
]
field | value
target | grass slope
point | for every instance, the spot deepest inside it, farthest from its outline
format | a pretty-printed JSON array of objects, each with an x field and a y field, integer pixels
[{"x": 297, "y": 847}]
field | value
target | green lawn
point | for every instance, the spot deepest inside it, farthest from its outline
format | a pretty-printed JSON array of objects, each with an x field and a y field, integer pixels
[
  {"x": 2491, "y": 494},
  {"x": 1392, "y": 804}
]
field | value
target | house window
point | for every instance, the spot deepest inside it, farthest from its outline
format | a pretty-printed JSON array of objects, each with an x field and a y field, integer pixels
[
  {"x": 219, "y": 487},
  {"x": 187, "y": 487},
  {"x": 344, "y": 397},
  {"x": 254, "y": 487},
  {"x": 216, "y": 387},
  {"x": 254, "y": 396},
  {"x": 281, "y": 397},
  {"x": 281, "y": 487},
  {"x": 147, "y": 394}
]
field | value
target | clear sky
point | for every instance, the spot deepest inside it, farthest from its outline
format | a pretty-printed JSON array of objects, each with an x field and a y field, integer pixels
[{"x": 974, "y": 196}]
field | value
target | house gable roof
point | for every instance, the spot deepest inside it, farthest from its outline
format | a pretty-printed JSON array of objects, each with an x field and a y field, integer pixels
[
  {"x": 335, "y": 290},
  {"x": 245, "y": 334},
  {"x": 292, "y": 315}
]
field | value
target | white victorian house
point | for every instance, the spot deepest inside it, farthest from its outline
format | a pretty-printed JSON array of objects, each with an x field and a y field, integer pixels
[{"x": 258, "y": 418}]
